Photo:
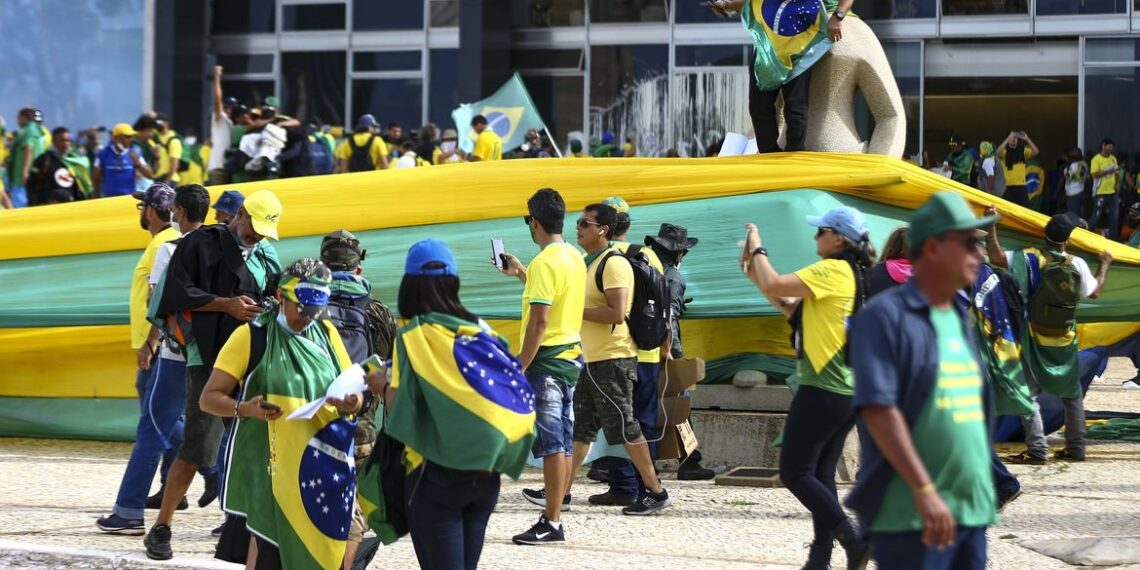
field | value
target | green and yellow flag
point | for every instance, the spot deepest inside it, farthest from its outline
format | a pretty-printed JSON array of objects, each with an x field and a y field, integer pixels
[
  {"x": 462, "y": 400},
  {"x": 789, "y": 37}
]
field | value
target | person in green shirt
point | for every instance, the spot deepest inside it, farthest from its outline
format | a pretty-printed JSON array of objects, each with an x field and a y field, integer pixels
[
  {"x": 960, "y": 161},
  {"x": 27, "y": 145}
]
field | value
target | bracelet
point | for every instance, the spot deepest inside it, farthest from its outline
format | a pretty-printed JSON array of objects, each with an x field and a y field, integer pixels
[
  {"x": 237, "y": 409},
  {"x": 925, "y": 489},
  {"x": 759, "y": 251}
]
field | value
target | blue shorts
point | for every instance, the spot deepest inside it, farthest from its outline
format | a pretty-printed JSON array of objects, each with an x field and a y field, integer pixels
[{"x": 554, "y": 415}]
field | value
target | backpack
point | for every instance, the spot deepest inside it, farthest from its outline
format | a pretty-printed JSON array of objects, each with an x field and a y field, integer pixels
[
  {"x": 361, "y": 159},
  {"x": 1053, "y": 305},
  {"x": 366, "y": 326},
  {"x": 320, "y": 155},
  {"x": 648, "y": 318}
]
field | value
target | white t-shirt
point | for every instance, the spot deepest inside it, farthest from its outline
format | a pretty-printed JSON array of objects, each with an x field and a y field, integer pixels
[
  {"x": 161, "y": 260},
  {"x": 988, "y": 164},
  {"x": 406, "y": 160},
  {"x": 1075, "y": 175},
  {"x": 220, "y": 132},
  {"x": 1088, "y": 280}
]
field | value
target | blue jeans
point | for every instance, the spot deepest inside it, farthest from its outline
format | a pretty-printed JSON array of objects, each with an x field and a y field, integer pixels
[
  {"x": 162, "y": 395},
  {"x": 19, "y": 196},
  {"x": 624, "y": 479},
  {"x": 1005, "y": 483},
  {"x": 447, "y": 515},
  {"x": 554, "y": 415},
  {"x": 905, "y": 551}
]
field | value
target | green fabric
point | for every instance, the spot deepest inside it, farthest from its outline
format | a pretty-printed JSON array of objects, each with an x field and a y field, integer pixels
[
  {"x": 1054, "y": 368},
  {"x": 951, "y": 439},
  {"x": 1116, "y": 428},
  {"x": 961, "y": 165},
  {"x": 722, "y": 370},
  {"x": 80, "y": 168},
  {"x": 1134, "y": 239},
  {"x": 299, "y": 366},
  {"x": 547, "y": 361},
  {"x": 102, "y": 419},
  {"x": 603, "y": 151},
  {"x": 835, "y": 376},
  {"x": 781, "y": 56},
  {"x": 28, "y": 142}
]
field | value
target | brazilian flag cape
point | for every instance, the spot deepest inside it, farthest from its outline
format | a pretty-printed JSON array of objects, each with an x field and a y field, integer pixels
[
  {"x": 1051, "y": 361},
  {"x": 294, "y": 480},
  {"x": 1035, "y": 185},
  {"x": 1000, "y": 338},
  {"x": 461, "y": 401},
  {"x": 789, "y": 36}
]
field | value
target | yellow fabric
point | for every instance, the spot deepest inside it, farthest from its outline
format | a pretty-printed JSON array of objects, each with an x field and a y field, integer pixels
[
  {"x": 825, "y": 316},
  {"x": 604, "y": 341},
  {"x": 1106, "y": 184},
  {"x": 379, "y": 149},
  {"x": 645, "y": 356},
  {"x": 556, "y": 277},
  {"x": 140, "y": 328},
  {"x": 195, "y": 173},
  {"x": 233, "y": 358},
  {"x": 1015, "y": 176},
  {"x": 166, "y": 153},
  {"x": 488, "y": 146}
]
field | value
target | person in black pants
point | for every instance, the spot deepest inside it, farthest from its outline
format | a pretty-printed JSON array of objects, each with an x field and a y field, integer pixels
[
  {"x": 762, "y": 110},
  {"x": 819, "y": 300}
]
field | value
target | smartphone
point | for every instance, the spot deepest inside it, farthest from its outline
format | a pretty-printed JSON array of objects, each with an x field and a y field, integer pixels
[
  {"x": 497, "y": 253},
  {"x": 267, "y": 405},
  {"x": 372, "y": 365}
]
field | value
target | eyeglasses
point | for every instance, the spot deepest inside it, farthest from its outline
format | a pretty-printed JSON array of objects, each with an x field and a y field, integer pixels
[
  {"x": 527, "y": 218},
  {"x": 585, "y": 223},
  {"x": 821, "y": 231},
  {"x": 971, "y": 242}
]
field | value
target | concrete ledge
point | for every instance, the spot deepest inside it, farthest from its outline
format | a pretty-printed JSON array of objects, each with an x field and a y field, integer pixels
[
  {"x": 727, "y": 397},
  {"x": 22, "y": 555}
]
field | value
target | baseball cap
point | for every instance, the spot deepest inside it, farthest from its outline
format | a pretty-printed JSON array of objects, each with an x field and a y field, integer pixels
[
  {"x": 576, "y": 145},
  {"x": 618, "y": 203},
  {"x": 158, "y": 196},
  {"x": 229, "y": 202},
  {"x": 273, "y": 101},
  {"x": 123, "y": 130},
  {"x": 237, "y": 111},
  {"x": 955, "y": 139},
  {"x": 230, "y": 102},
  {"x": 430, "y": 257},
  {"x": 340, "y": 250},
  {"x": 944, "y": 212},
  {"x": 1061, "y": 226},
  {"x": 846, "y": 220},
  {"x": 264, "y": 209},
  {"x": 366, "y": 121}
]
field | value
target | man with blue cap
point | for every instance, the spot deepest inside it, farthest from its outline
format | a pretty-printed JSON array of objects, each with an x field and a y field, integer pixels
[{"x": 227, "y": 206}]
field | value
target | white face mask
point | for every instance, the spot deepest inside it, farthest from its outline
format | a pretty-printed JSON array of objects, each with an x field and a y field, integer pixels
[
  {"x": 191, "y": 141},
  {"x": 281, "y": 320},
  {"x": 174, "y": 224}
]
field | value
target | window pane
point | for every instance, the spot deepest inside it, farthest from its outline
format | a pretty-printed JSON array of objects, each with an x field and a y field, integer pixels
[
  {"x": 307, "y": 17},
  {"x": 246, "y": 62},
  {"x": 399, "y": 15},
  {"x": 1112, "y": 49},
  {"x": 389, "y": 100},
  {"x": 616, "y": 11},
  {"x": 906, "y": 63},
  {"x": 386, "y": 61},
  {"x": 531, "y": 58},
  {"x": 560, "y": 102},
  {"x": 443, "y": 96},
  {"x": 313, "y": 86},
  {"x": 984, "y": 7},
  {"x": 244, "y": 17},
  {"x": 444, "y": 13},
  {"x": 249, "y": 93},
  {"x": 895, "y": 9},
  {"x": 696, "y": 12},
  {"x": 628, "y": 94},
  {"x": 1110, "y": 108},
  {"x": 726, "y": 55},
  {"x": 1067, "y": 7},
  {"x": 708, "y": 104},
  {"x": 547, "y": 13}
]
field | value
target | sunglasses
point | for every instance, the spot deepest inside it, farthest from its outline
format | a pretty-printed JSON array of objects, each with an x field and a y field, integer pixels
[
  {"x": 585, "y": 223},
  {"x": 821, "y": 231},
  {"x": 970, "y": 242},
  {"x": 527, "y": 218}
]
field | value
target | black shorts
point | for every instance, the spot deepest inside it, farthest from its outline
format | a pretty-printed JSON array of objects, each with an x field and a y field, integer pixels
[{"x": 203, "y": 431}]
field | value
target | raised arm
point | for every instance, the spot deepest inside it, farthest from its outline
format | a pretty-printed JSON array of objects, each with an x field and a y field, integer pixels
[
  {"x": 993, "y": 247},
  {"x": 782, "y": 291},
  {"x": 219, "y": 109}
]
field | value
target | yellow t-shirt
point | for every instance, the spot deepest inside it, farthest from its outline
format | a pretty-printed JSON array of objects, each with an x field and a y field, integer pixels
[
  {"x": 170, "y": 149},
  {"x": 825, "y": 315},
  {"x": 488, "y": 146},
  {"x": 645, "y": 356},
  {"x": 1105, "y": 185},
  {"x": 233, "y": 358},
  {"x": 140, "y": 327},
  {"x": 379, "y": 148},
  {"x": 195, "y": 173},
  {"x": 603, "y": 341},
  {"x": 1015, "y": 176},
  {"x": 556, "y": 277}
]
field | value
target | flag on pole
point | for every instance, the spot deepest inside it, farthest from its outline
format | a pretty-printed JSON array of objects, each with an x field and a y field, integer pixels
[
  {"x": 789, "y": 36},
  {"x": 510, "y": 112}
]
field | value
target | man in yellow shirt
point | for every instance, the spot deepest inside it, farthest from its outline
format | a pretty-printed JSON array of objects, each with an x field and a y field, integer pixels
[
  {"x": 170, "y": 159},
  {"x": 488, "y": 145},
  {"x": 364, "y": 150},
  {"x": 551, "y": 356},
  {"x": 1013, "y": 157},
  {"x": 1106, "y": 205}
]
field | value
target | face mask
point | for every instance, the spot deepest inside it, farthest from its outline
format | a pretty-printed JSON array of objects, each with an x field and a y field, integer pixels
[
  {"x": 174, "y": 224},
  {"x": 191, "y": 140},
  {"x": 285, "y": 323}
]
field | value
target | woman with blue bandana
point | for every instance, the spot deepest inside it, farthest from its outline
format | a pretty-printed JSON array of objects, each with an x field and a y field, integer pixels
[{"x": 292, "y": 480}]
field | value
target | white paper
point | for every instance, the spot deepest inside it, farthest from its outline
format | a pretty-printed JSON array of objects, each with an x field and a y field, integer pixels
[
  {"x": 734, "y": 144},
  {"x": 751, "y": 147},
  {"x": 349, "y": 382}
]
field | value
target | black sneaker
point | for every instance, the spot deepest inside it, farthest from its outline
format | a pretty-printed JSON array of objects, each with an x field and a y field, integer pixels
[
  {"x": 209, "y": 493},
  {"x": 538, "y": 497},
  {"x": 1024, "y": 458},
  {"x": 541, "y": 533},
  {"x": 115, "y": 524},
  {"x": 155, "y": 501},
  {"x": 693, "y": 471},
  {"x": 611, "y": 499},
  {"x": 1069, "y": 455},
  {"x": 1005, "y": 499},
  {"x": 649, "y": 504},
  {"x": 157, "y": 543}
]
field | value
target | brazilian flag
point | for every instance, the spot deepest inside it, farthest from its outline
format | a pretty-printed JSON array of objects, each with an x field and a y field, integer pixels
[
  {"x": 462, "y": 400},
  {"x": 999, "y": 331},
  {"x": 789, "y": 36},
  {"x": 1035, "y": 185}
]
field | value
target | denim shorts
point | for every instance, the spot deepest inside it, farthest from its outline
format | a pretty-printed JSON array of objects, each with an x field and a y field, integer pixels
[{"x": 554, "y": 415}]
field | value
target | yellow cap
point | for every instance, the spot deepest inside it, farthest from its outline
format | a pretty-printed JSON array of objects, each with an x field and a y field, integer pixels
[
  {"x": 123, "y": 129},
  {"x": 264, "y": 210}
]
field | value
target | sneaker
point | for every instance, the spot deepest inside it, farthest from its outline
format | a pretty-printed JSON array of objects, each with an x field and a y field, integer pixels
[
  {"x": 209, "y": 493},
  {"x": 1069, "y": 455},
  {"x": 1004, "y": 499},
  {"x": 541, "y": 533},
  {"x": 155, "y": 501},
  {"x": 115, "y": 524},
  {"x": 1132, "y": 383},
  {"x": 157, "y": 543},
  {"x": 611, "y": 499},
  {"x": 1024, "y": 458},
  {"x": 218, "y": 531},
  {"x": 692, "y": 471},
  {"x": 649, "y": 504},
  {"x": 538, "y": 497}
]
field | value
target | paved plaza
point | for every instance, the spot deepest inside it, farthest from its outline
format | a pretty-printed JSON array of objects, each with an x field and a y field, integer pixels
[{"x": 52, "y": 491}]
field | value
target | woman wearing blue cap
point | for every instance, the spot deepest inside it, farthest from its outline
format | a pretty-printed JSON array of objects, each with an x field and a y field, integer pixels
[
  {"x": 462, "y": 407},
  {"x": 819, "y": 301}
]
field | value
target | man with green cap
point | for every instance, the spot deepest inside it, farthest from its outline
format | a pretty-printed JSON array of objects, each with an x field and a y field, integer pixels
[{"x": 925, "y": 492}]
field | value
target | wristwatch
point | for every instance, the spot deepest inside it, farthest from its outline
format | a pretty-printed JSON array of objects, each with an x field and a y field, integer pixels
[
  {"x": 840, "y": 14},
  {"x": 759, "y": 251}
]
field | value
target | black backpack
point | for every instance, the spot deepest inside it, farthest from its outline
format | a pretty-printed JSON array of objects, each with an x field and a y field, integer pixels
[
  {"x": 361, "y": 159},
  {"x": 648, "y": 318},
  {"x": 349, "y": 313}
]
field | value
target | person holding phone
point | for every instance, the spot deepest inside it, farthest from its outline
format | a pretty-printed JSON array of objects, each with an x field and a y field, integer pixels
[
  {"x": 1013, "y": 157},
  {"x": 819, "y": 301},
  {"x": 285, "y": 358},
  {"x": 1106, "y": 200}
]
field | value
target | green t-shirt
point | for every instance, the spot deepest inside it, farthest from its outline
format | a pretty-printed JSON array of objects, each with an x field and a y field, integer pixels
[
  {"x": 951, "y": 438},
  {"x": 28, "y": 141},
  {"x": 1134, "y": 241}
]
